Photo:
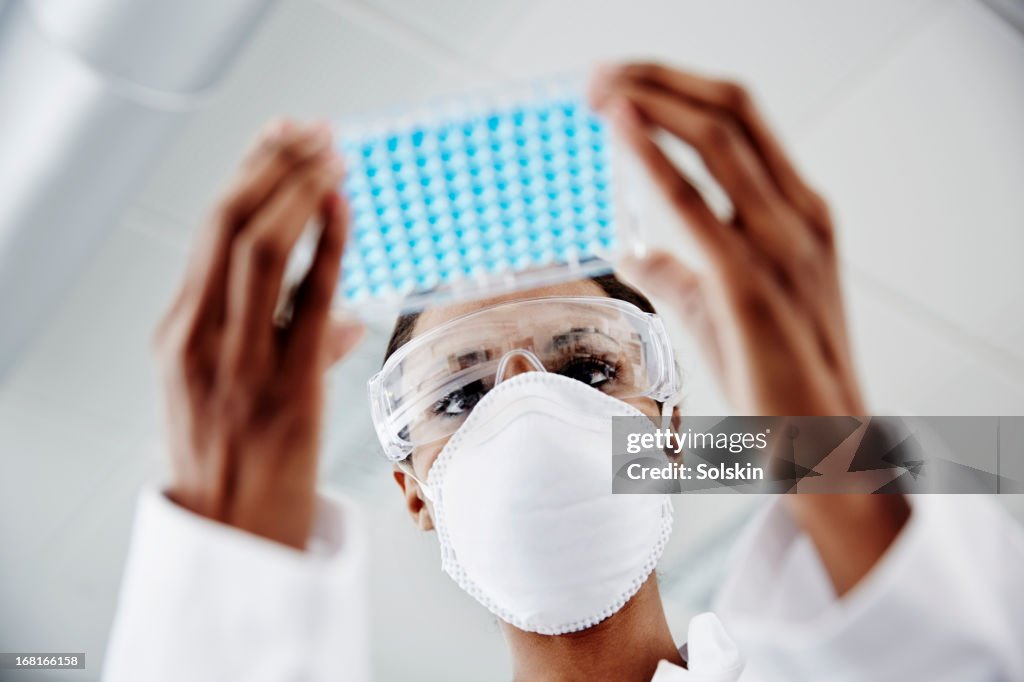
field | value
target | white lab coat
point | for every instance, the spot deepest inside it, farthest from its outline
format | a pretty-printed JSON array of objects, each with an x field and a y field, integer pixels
[{"x": 202, "y": 601}]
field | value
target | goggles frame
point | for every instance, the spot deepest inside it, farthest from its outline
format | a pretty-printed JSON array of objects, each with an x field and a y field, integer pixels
[{"x": 665, "y": 386}]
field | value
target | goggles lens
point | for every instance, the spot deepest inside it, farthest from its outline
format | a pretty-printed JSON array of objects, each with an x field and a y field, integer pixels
[{"x": 427, "y": 389}]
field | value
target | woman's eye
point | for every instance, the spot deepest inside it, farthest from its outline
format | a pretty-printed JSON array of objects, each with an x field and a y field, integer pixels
[
  {"x": 460, "y": 401},
  {"x": 591, "y": 371}
]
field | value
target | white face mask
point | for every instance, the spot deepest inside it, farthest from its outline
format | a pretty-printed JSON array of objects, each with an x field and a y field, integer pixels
[{"x": 524, "y": 510}]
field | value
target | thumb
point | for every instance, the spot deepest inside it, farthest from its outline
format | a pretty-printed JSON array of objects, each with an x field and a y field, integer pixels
[
  {"x": 666, "y": 278},
  {"x": 341, "y": 337}
]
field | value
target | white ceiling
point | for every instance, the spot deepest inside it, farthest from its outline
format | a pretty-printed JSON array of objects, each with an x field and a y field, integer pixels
[{"x": 906, "y": 113}]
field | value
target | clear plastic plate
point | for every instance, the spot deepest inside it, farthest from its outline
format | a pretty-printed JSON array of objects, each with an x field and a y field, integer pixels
[{"x": 477, "y": 195}]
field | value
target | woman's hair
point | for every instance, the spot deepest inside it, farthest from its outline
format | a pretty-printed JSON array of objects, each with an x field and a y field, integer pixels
[{"x": 609, "y": 283}]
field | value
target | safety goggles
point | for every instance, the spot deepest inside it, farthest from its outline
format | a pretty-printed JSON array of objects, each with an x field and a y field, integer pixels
[{"x": 429, "y": 386}]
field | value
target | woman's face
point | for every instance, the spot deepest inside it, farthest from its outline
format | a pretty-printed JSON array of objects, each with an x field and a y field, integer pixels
[{"x": 557, "y": 322}]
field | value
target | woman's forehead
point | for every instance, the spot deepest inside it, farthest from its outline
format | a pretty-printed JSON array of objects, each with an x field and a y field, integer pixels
[{"x": 434, "y": 317}]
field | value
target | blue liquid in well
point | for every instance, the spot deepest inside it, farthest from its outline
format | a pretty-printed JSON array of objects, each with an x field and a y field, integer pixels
[{"x": 501, "y": 192}]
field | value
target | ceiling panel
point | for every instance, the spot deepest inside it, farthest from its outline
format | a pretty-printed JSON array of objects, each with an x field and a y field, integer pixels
[
  {"x": 308, "y": 61},
  {"x": 797, "y": 52},
  {"x": 65, "y": 596},
  {"x": 94, "y": 356},
  {"x": 924, "y": 164},
  {"x": 910, "y": 367},
  {"x": 55, "y": 462}
]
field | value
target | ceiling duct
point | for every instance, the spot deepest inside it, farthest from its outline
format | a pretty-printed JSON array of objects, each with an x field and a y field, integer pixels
[{"x": 91, "y": 93}]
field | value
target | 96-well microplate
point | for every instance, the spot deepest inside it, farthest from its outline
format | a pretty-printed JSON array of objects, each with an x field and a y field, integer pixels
[{"x": 477, "y": 200}]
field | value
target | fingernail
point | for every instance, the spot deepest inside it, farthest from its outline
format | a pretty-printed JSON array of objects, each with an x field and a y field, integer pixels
[
  {"x": 631, "y": 268},
  {"x": 315, "y": 139},
  {"x": 599, "y": 85},
  {"x": 623, "y": 113},
  {"x": 346, "y": 319},
  {"x": 277, "y": 130},
  {"x": 336, "y": 166},
  {"x": 320, "y": 127},
  {"x": 320, "y": 134},
  {"x": 605, "y": 72}
]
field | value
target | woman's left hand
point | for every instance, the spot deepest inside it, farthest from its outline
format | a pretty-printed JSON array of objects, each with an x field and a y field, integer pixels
[{"x": 768, "y": 311}]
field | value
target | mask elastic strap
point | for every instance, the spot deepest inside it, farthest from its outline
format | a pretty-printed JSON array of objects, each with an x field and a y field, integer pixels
[
  {"x": 406, "y": 467},
  {"x": 670, "y": 404}
]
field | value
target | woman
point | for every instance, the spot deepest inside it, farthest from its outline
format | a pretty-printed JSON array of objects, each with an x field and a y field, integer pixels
[{"x": 836, "y": 587}]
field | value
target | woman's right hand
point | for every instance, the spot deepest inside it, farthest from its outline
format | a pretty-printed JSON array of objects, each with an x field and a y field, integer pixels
[
  {"x": 768, "y": 312},
  {"x": 244, "y": 394}
]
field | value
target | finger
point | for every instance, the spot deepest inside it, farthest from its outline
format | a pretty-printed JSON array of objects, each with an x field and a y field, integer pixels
[
  {"x": 340, "y": 338},
  {"x": 732, "y": 261},
  {"x": 663, "y": 275},
  {"x": 666, "y": 277},
  {"x": 774, "y": 226},
  {"x": 313, "y": 299},
  {"x": 713, "y": 237},
  {"x": 274, "y": 133},
  {"x": 260, "y": 253},
  {"x": 281, "y": 147},
  {"x": 733, "y": 98}
]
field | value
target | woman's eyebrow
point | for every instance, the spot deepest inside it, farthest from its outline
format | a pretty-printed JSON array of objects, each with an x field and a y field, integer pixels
[
  {"x": 445, "y": 361},
  {"x": 470, "y": 357}
]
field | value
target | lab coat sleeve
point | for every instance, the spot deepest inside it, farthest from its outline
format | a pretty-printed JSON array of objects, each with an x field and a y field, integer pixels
[
  {"x": 945, "y": 602},
  {"x": 203, "y": 601}
]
